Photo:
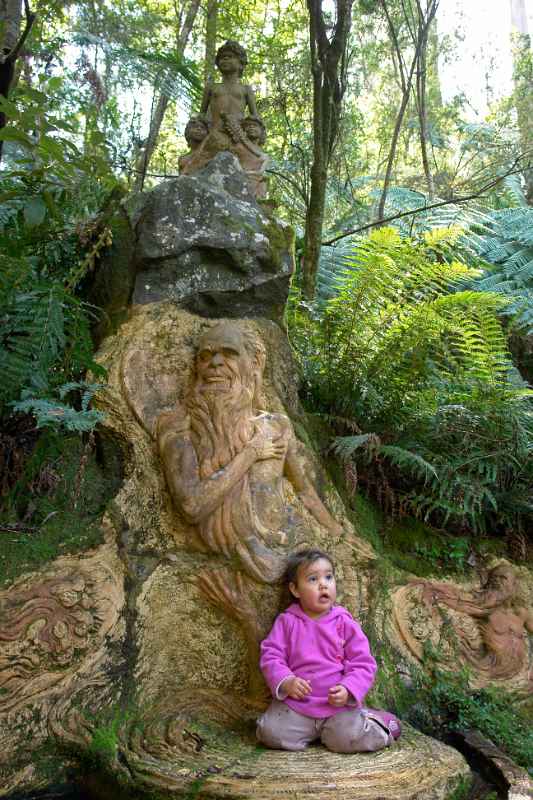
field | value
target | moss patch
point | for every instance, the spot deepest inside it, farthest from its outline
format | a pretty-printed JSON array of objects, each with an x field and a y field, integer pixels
[
  {"x": 57, "y": 506},
  {"x": 281, "y": 240}
]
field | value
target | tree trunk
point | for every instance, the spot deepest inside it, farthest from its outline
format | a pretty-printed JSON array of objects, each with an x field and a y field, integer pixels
[
  {"x": 163, "y": 100},
  {"x": 11, "y": 42},
  {"x": 418, "y": 31},
  {"x": 211, "y": 24},
  {"x": 392, "y": 151},
  {"x": 523, "y": 89},
  {"x": 421, "y": 92},
  {"x": 328, "y": 64}
]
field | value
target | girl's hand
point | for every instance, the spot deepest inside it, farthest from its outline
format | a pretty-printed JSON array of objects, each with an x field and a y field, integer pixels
[
  {"x": 297, "y": 688},
  {"x": 338, "y": 695}
]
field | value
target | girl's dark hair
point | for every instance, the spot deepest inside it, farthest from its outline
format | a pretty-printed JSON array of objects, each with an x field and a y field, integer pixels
[{"x": 302, "y": 558}]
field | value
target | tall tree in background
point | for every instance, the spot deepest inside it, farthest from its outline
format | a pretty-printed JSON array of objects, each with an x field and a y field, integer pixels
[
  {"x": 329, "y": 66},
  {"x": 11, "y": 42},
  {"x": 523, "y": 89},
  {"x": 184, "y": 24},
  {"x": 423, "y": 26},
  {"x": 416, "y": 19},
  {"x": 211, "y": 24}
]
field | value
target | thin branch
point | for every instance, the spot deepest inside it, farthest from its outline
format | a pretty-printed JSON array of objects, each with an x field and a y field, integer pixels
[
  {"x": 291, "y": 182},
  {"x": 18, "y": 529},
  {"x": 439, "y": 204},
  {"x": 30, "y": 19}
]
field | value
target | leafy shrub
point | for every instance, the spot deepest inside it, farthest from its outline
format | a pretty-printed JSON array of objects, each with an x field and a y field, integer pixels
[
  {"x": 417, "y": 371},
  {"x": 48, "y": 191},
  {"x": 445, "y": 700},
  {"x": 508, "y": 247}
]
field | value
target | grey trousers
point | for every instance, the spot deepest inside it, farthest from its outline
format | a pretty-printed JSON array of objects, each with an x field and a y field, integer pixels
[{"x": 350, "y": 731}]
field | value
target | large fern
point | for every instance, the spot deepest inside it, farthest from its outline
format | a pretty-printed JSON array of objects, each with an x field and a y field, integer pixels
[
  {"x": 508, "y": 247},
  {"x": 420, "y": 366}
]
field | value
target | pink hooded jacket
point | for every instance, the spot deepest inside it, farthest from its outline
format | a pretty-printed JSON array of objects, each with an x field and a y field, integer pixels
[{"x": 325, "y": 651}]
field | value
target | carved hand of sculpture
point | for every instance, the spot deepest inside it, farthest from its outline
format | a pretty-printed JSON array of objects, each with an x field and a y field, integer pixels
[
  {"x": 265, "y": 448},
  {"x": 227, "y": 590}
]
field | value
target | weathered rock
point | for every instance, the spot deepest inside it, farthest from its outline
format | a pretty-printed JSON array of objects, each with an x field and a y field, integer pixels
[
  {"x": 483, "y": 627},
  {"x": 212, "y": 751},
  {"x": 61, "y": 633},
  {"x": 204, "y": 243}
]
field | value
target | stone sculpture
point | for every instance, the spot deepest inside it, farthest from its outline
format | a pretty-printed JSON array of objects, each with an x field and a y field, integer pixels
[
  {"x": 489, "y": 625},
  {"x": 225, "y": 104},
  {"x": 195, "y": 132},
  {"x": 53, "y": 626},
  {"x": 225, "y": 459}
]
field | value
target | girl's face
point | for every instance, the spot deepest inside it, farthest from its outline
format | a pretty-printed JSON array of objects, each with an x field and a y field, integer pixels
[{"x": 315, "y": 587}]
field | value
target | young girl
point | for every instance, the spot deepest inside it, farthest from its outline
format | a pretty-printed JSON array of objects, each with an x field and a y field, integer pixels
[{"x": 318, "y": 665}]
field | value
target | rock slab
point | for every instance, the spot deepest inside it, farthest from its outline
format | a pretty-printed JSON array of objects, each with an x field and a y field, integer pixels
[{"x": 204, "y": 243}]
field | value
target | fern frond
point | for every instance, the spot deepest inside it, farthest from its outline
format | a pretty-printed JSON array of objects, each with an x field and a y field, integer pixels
[{"x": 409, "y": 462}]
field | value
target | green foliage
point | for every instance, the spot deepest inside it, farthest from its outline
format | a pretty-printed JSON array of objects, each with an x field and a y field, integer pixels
[
  {"x": 49, "y": 414},
  {"x": 444, "y": 699},
  {"x": 60, "y": 502},
  {"x": 508, "y": 247},
  {"x": 47, "y": 191},
  {"x": 170, "y": 74},
  {"x": 418, "y": 369},
  {"x": 105, "y": 737}
]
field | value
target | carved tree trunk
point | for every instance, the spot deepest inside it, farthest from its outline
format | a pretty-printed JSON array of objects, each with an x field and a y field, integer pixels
[
  {"x": 328, "y": 64},
  {"x": 11, "y": 42},
  {"x": 163, "y": 100}
]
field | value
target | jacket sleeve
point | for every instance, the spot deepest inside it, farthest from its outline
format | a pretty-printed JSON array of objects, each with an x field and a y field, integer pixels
[
  {"x": 273, "y": 660},
  {"x": 359, "y": 664}
]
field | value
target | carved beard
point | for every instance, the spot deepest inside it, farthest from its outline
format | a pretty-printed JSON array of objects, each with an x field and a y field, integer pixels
[
  {"x": 221, "y": 427},
  {"x": 221, "y": 424}
]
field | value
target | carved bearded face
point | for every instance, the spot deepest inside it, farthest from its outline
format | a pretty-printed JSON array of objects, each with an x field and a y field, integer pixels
[
  {"x": 224, "y": 391},
  {"x": 222, "y": 362},
  {"x": 503, "y": 580}
]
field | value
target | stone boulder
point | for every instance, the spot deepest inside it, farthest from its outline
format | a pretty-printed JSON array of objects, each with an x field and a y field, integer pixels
[{"x": 203, "y": 242}]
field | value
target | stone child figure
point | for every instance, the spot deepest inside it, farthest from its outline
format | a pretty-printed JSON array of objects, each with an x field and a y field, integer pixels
[
  {"x": 225, "y": 459},
  {"x": 195, "y": 132},
  {"x": 225, "y": 105},
  {"x": 228, "y": 101}
]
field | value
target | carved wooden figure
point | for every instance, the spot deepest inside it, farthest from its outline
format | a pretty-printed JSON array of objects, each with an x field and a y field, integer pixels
[
  {"x": 490, "y": 625},
  {"x": 225, "y": 459}
]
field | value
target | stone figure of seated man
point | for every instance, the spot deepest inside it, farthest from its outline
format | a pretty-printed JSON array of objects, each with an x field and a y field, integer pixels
[{"x": 225, "y": 460}]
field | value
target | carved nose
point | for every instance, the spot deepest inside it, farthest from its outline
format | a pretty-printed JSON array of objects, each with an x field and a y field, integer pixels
[{"x": 216, "y": 360}]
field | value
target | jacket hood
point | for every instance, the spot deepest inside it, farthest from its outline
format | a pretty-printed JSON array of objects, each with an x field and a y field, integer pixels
[{"x": 333, "y": 613}]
